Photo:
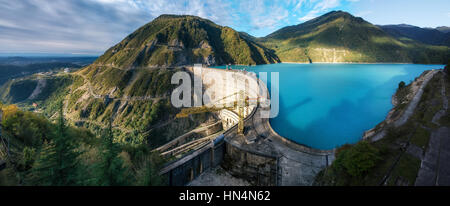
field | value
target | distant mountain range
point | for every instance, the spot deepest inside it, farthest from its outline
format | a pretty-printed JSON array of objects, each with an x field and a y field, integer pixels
[
  {"x": 438, "y": 36},
  {"x": 15, "y": 67},
  {"x": 22, "y": 61},
  {"x": 341, "y": 37},
  {"x": 444, "y": 29}
]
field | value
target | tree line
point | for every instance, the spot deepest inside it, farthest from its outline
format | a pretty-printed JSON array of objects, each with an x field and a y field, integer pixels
[{"x": 46, "y": 153}]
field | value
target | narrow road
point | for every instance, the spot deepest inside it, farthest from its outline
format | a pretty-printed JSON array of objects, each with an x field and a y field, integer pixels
[
  {"x": 409, "y": 111},
  {"x": 434, "y": 169},
  {"x": 413, "y": 104},
  {"x": 441, "y": 112},
  {"x": 126, "y": 98},
  {"x": 97, "y": 96}
]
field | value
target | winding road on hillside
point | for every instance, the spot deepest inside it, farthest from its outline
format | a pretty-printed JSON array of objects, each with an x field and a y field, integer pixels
[
  {"x": 97, "y": 96},
  {"x": 127, "y": 98}
]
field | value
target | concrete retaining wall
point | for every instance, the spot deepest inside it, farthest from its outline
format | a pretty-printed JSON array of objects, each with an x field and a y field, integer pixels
[
  {"x": 191, "y": 166},
  {"x": 283, "y": 162},
  {"x": 184, "y": 170},
  {"x": 258, "y": 169}
]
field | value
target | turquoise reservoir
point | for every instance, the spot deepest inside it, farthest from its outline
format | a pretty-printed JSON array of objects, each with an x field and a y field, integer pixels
[{"x": 324, "y": 106}]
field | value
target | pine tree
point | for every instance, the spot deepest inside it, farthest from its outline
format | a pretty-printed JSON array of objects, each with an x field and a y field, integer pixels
[
  {"x": 43, "y": 171},
  {"x": 58, "y": 163},
  {"x": 148, "y": 175},
  {"x": 112, "y": 171}
]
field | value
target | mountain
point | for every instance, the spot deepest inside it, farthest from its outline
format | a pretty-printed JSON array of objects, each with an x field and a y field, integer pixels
[
  {"x": 130, "y": 83},
  {"x": 23, "y": 61},
  {"x": 423, "y": 35},
  {"x": 11, "y": 71},
  {"x": 340, "y": 37},
  {"x": 248, "y": 36},
  {"x": 444, "y": 29},
  {"x": 173, "y": 40}
]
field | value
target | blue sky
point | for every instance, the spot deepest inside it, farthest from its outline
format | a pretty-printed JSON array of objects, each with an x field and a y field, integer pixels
[{"x": 89, "y": 27}]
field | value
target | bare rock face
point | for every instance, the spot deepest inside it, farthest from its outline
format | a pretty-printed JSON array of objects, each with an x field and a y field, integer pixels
[
  {"x": 152, "y": 43},
  {"x": 182, "y": 59},
  {"x": 210, "y": 60},
  {"x": 176, "y": 45},
  {"x": 204, "y": 45}
]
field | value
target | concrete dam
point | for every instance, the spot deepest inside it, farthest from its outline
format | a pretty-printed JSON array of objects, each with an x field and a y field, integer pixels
[{"x": 258, "y": 155}]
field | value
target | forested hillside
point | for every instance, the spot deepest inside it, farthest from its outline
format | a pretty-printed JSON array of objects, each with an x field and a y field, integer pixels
[{"x": 53, "y": 153}]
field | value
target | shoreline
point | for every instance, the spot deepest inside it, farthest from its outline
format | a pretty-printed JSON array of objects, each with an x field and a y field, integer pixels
[
  {"x": 379, "y": 131},
  {"x": 348, "y": 63},
  {"x": 370, "y": 133},
  {"x": 336, "y": 63}
]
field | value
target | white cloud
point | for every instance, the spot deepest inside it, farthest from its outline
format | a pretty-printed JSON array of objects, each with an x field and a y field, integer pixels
[
  {"x": 318, "y": 7},
  {"x": 298, "y": 4},
  {"x": 311, "y": 15},
  {"x": 263, "y": 14},
  {"x": 95, "y": 25},
  {"x": 326, "y": 4}
]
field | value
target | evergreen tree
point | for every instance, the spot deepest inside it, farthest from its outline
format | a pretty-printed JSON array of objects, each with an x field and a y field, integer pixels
[
  {"x": 58, "y": 161},
  {"x": 148, "y": 175},
  {"x": 112, "y": 171}
]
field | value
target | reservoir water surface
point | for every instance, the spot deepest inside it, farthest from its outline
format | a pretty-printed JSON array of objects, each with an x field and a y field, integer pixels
[{"x": 324, "y": 106}]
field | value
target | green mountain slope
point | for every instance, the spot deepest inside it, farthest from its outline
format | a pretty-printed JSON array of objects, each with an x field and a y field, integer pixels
[
  {"x": 423, "y": 35},
  {"x": 172, "y": 40},
  {"x": 130, "y": 83},
  {"x": 340, "y": 37}
]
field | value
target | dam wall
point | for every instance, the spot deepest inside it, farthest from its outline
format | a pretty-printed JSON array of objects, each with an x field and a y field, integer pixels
[
  {"x": 260, "y": 156},
  {"x": 183, "y": 171},
  {"x": 222, "y": 87},
  {"x": 258, "y": 168},
  {"x": 250, "y": 165}
]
